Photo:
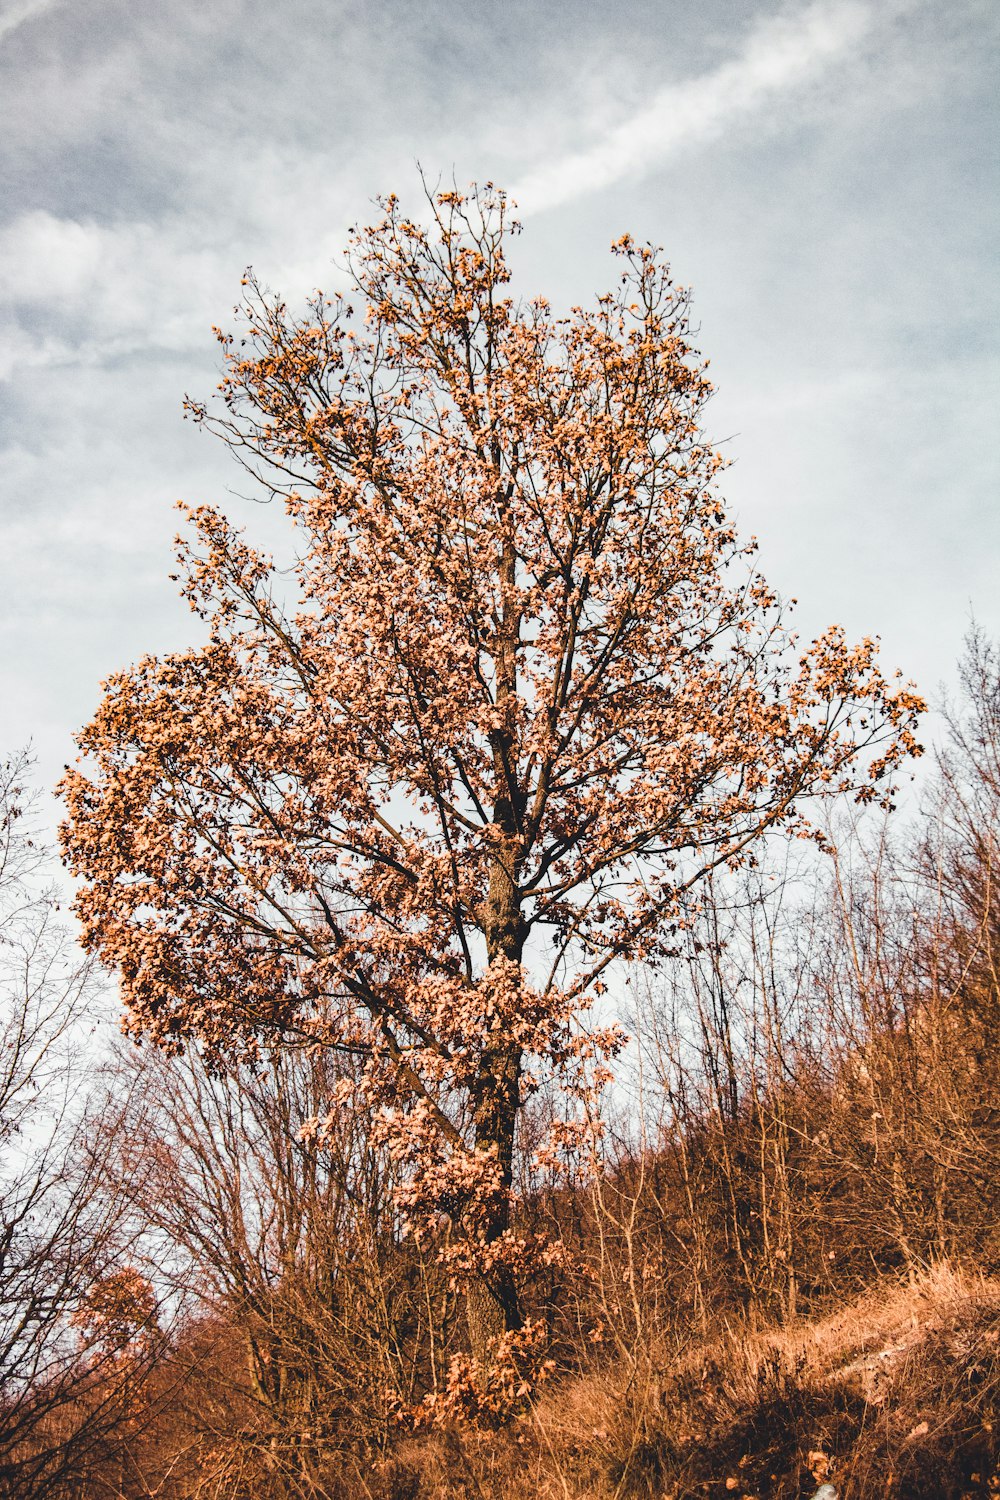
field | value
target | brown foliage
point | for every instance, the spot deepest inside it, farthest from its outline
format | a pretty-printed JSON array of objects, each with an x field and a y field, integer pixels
[
  {"x": 517, "y": 695},
  {"x": 376, "y": 1186}
]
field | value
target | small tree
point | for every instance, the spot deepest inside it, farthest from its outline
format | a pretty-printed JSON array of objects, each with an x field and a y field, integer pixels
[
  {"x": 291, "y": 1245},
  {"x": 516, "y": 693},
  {"x": 59, "y": 1231}
]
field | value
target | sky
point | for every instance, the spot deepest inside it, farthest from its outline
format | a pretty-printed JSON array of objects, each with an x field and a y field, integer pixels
[{"x": 823, "y": 175}]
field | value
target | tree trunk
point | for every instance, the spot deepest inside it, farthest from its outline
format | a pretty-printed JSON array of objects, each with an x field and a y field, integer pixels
[{"x": 492, "y": 1300}]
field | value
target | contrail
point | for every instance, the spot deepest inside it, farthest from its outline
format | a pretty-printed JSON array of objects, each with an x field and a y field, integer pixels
[
  {"x": 781, "y": 53},
  {"x": 19, "y": 11}
]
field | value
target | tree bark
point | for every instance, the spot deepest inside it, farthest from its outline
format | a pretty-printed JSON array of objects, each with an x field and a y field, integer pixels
[{"x": 492, "y": 1300}]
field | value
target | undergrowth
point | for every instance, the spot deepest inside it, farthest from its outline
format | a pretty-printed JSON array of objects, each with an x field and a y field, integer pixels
[{"x": 896, "y": 1396}]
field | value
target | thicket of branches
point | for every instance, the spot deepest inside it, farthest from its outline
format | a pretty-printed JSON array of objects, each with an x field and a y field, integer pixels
[
  {"x": 204, "y": 1295},
  {"x": 78, "y": 1325}
]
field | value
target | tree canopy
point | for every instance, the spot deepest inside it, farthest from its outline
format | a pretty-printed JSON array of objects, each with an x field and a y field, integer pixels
[{"x": 519, "y": 691}]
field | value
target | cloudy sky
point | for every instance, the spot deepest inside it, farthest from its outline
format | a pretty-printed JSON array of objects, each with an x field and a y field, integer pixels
[{"x": 824, "y": 175}]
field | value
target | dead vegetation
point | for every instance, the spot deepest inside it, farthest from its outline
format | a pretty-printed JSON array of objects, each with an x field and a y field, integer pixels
[
  {"x": 897, "y": 1395},
  {"x": 773, "y": 1261}
]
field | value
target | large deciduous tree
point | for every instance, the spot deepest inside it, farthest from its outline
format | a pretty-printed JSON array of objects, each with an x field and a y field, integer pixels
[{"x": 514, "y": 691}]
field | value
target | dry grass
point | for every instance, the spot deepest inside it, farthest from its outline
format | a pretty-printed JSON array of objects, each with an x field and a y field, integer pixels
[{"x": 896, "y": 1396}]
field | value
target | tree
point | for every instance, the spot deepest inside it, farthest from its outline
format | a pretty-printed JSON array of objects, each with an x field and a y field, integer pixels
[
  {"x": 516, "y": 693},
  {"x": 293, "y": 1246},
  {"x": 60, "y": 1234}
]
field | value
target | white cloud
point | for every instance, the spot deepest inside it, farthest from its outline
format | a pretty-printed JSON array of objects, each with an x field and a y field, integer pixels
[
  {"x": 82, "y": 291},
  {"x": 781, "y": 54},
  {"x": 16, "y": 12}
]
